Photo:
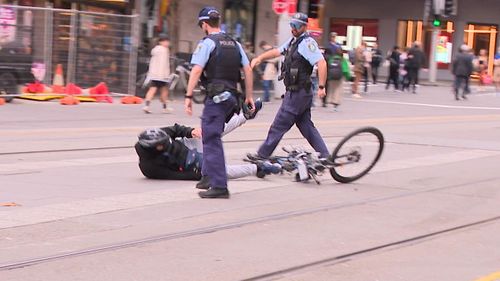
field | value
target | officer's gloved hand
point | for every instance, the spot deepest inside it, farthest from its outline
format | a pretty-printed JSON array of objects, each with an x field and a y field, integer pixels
[{"x": 247, "y": 110}]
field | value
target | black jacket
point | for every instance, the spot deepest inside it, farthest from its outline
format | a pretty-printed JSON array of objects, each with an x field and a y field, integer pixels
[
  {"x": 462, "y": 65},
  {"x": 416, "y": 58}
]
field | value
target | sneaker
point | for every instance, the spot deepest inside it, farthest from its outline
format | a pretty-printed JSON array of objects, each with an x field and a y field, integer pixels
[
  {"x": 168, "y": 110},
  {"x": 251, "y": 115},
  {"x": 358, "y": 96},
  {"x": 255, "y": 157},
  {"x": 213, "y": 192},
  {"x": 204, "y": 183},
  {"x": 266, "y": 168},
  {"x": 326, "y": 161},
  {"x": 146, "y": 109}
]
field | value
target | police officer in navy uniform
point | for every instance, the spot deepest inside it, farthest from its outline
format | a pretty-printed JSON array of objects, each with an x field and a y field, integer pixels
[
  {"x": 301, "y": 54},
  {"x": 217, "y": 60}
]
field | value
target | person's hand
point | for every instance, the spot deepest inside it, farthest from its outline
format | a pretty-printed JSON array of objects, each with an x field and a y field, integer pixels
[
  {"x": 256, "y": 61},
  {"x": 321, "y": 93},
  {"x": 188, "y": 106},
  {"x": 196, "y": 133},
  {"x": 250, "y": 103}
]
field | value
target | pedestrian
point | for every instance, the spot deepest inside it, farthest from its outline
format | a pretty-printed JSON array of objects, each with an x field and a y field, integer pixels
[
  {"x": 338, "y": 71},
  {"x": 269, "y": 71},
  {"x": 301, "y": 54},
  {"x": 376, "y": 62},
  {"x": 333, "y": 45},
  {"x": 403, "y": 69},
  {"x": 176, "y": 153},
  {"x": 159, "y": 74},
  {"x": 462, "y": 69},
  {"x": 496, "y": 70},
  {"x": 359, "y": 68},
  {"x": 415, "y": 61},
  {"x": 219, "y": 58},
  {"x": 367, "y": 57},
  {"x": 393, "y": 59}
]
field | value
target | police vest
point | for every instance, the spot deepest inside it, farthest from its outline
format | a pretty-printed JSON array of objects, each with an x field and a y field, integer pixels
[
  {"x": 296, "y": 70},
  {"x": 224, "y": 63}
]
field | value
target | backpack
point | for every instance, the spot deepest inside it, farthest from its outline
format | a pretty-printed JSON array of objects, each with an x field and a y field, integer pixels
[{"x": 335, "y": 68}]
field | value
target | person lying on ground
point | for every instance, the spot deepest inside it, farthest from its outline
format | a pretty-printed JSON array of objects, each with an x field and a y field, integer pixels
[{"x": 175, "y": 152}]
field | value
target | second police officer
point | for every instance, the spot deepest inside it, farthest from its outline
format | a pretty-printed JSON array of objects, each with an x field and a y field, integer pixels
[
  {"x": 217, "y": 60},
  {"x": 301, "y": 54}
]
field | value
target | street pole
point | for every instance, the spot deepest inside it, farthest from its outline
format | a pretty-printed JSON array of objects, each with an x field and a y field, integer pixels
[
  {"x": 283, "y": 35},
  {"x": 432, "y": 56}
]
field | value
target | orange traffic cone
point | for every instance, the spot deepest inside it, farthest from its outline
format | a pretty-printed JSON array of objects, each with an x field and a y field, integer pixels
[
  {"x": 2, "y": 101},
  {"x": 72, "y": 89},
  {"x": 58, "y": 82}
]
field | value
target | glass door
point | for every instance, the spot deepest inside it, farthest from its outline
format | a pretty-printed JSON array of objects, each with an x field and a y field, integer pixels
[{"x": 482, "y": 37}]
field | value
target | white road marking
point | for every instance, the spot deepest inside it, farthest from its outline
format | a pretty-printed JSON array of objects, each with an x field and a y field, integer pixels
[
  {"x": 427, "y": 104},
  {"x": 32, "y": 215}
]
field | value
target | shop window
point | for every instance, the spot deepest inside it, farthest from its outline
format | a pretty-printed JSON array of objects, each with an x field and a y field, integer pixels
[
  {"x": 239, "y": 19},
  {"x": 350, "y": 32},
  {"x": 482, "y": 37},
  {"x": 409, "y": 31}
]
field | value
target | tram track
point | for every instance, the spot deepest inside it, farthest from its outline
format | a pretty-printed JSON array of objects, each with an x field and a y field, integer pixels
[
  {"x": 10, "y": 265},
  {"x": 234, "y": 141}
]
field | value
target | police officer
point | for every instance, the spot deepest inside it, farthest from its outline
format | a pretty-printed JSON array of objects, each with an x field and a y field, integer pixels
[
  {"x": 217, "y": 60},
  {"x": 301, "y": 54}
]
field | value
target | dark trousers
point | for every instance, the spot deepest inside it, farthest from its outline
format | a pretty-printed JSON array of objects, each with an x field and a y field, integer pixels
[
  {"x": 393, "y": 77},
  {"x": 365, "y": 77},
  {"x": 295, "y": 109},
  {"x": 375, "y": 74},
  {"x": 413, "y": 78},
  {"x": 459, "y": 81},
  {"x": 212, "y": 124}
]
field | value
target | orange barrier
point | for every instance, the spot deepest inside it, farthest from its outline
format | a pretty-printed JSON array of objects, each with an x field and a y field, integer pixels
[
  {"x": 131, "y": 100},
  {"x": 69, "y": 100}
]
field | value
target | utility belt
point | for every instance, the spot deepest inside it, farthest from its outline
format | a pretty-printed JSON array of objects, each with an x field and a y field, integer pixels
[
  {"x": 219, "y": 92},
  {"x": 295, "y": 88},
  {"x": 292, "y": 83}
]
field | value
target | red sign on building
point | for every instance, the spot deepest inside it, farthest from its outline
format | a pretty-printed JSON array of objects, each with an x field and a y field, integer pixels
[{"x": 284, "y": 6}]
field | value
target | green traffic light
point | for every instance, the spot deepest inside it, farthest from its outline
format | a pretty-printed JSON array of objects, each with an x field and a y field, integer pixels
[{"x": 436, "y": 22}]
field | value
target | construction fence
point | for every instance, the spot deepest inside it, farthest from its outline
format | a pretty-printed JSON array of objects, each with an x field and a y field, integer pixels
[{"x": 91, "y": 47}]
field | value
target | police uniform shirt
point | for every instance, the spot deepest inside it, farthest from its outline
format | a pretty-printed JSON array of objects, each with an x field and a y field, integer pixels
[
  {"x": 308, "y": 48},
  {"x": 206, "y": 46}
]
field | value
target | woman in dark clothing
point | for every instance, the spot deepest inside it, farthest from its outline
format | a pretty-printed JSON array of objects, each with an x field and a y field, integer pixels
[{"x": 393, "y": 59}]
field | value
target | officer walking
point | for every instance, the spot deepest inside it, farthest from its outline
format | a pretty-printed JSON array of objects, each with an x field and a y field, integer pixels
[
  {"x": 301, "y": 54},
  {"x": 217, "y": 60}
]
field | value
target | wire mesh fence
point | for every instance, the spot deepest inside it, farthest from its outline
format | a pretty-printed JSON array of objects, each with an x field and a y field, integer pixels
[{"x": 91, "y": 47}]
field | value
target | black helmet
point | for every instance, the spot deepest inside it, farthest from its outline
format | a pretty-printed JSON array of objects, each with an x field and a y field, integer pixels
[
  {"x": 207, "y": 13},
  {"x": 153, "y": 137}
]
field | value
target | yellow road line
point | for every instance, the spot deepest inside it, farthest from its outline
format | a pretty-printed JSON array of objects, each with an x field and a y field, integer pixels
[{"x": 492, "y": 277}]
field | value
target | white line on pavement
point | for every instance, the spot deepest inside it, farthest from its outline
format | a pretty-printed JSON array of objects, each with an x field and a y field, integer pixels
[
  {"x": 27, "y": 216},
  {"x": 427, "y": 104}
]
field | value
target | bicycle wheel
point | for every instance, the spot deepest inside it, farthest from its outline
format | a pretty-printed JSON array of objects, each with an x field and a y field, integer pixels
[{"x": 356, "y": 154}]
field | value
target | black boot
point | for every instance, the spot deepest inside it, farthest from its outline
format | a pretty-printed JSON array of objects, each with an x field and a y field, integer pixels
[
  {"x": 214, "y": 193},
  {"x": 204, "y": 183}
]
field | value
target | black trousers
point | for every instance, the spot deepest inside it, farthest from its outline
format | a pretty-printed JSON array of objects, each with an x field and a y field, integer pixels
[
  {"x": 393, "y": 77},
  {"x": 413, "y": 78}
]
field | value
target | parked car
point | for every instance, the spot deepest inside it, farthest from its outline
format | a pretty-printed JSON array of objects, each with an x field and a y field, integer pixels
[{"x": 15, "y": 70}]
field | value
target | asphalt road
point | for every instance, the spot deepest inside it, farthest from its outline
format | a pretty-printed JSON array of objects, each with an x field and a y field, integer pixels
[{"x": 83, "y": 211}]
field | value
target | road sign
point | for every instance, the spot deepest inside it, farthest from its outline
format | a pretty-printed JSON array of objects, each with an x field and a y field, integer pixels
[{"x": 280, "y": 6}]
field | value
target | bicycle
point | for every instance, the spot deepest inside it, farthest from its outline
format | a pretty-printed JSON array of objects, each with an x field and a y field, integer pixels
[
  {"x": 346, "y": 164},
  {"x": 182, "y": 72}
]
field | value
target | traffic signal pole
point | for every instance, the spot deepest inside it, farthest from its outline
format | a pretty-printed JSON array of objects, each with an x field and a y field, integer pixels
[{"x": 432, "y": 56}]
